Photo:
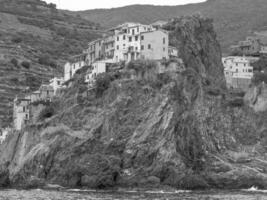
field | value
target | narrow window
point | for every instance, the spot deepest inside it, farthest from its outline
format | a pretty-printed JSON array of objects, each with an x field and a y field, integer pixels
[
  {"x": 149, "y": 46},
  {"x": 118, "y": 47},
  {"x": 133, "y": 32},
  {"x": 137, "y": 29},
  {"x": 118, "y": 38},
  {"x": 136, "y": 38},
  {"x": 124, "y": 37},
  {"x": 142, "y": 37},
  {"x": 130, "y": 39},
  {"x": 164, "y": 40},
  {"x": 142, "y": 47}
]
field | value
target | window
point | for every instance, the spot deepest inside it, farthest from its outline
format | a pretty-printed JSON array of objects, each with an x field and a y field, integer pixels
[
  {"x": 142, "y": 47},
  {"x": 164, "y": 49},
  {"x": 24, "y": 109},
  {"x": 130, "y": 39},
  {"x": 133, "y": 32},
  {"x": 137, "y": 29},
  {"x": 142, "y": 37},
  {"x": 58, "y": 82},
  {"x": 136, "y": 38},
  {"x": 118, "y": 38},
  {"x": 164, "y": 40},
  {"x": 118, "y": 47},
  {"x": 149, "y": 46},
  {"x": 124, "y": 37},
  {"x": 136, "y": 48}
]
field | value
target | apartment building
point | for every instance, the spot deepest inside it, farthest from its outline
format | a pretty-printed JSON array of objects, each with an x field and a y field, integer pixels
[{"x": 238, "y": 71}]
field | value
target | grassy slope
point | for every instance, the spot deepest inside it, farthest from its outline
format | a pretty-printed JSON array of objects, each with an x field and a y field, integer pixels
[
  {"x": 234, "y": 19},
  {"x": 30, "y": 30}
]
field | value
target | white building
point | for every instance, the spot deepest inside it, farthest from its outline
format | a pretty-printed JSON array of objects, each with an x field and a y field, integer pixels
[
  {"x": 238, "y": 71},
  {"x": 75, "y": 63},
  {"x": 97, "y": 68},
  {"x": 56, "y": 83}
]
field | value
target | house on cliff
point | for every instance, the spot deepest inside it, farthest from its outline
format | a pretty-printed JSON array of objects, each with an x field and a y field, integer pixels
[
  {"x": 21, "y": 112},
  {"x": 124, "y": 43},
  {"x": 250, "y": 46},
  {"x": 56, "y": 83},
  {"x": 238, "y": 71}
]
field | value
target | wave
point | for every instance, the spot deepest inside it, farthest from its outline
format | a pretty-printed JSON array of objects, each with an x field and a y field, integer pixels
[
  {"x": 132, "y": 191},
  {"x": 254, "y": 189}
]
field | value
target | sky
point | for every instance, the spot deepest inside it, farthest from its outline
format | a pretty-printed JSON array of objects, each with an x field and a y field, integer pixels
[{"x": 93, "y": 4}]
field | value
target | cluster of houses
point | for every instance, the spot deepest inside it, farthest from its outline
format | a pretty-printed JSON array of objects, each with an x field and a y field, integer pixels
[
  {"x": 22, "y": 111},
  {"x": 238, "y": 70},
  {"x": 124, "y": 43},
  {"x": 252, "y": 46}
]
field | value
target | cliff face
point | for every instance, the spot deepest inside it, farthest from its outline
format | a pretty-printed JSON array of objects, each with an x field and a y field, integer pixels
[{"x": 183, "y": 131}]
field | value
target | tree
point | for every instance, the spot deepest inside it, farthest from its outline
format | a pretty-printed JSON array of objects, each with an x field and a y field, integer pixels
[
  {"x": 26, "y": 64},
  {"x": 14, "y": 61}
]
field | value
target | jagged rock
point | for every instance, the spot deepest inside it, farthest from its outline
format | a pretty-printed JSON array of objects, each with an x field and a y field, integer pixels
[
  {"x": 256, "y": 97},
  {"x": 177, "y": 134}
]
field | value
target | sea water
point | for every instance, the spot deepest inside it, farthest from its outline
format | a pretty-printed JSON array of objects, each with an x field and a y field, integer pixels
[{"x": 75, "y": 194}]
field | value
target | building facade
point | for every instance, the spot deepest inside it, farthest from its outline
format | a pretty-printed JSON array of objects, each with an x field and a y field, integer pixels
[
  {"x": 75, "y": 63},
  {"x": 238, "y": 71},
  {"x": 97, "y": 68},
  {"x": 56, "y": 83},
  {"x": 154, "y": 45},
  {"x": 250, "y": 46},
  {"x": 21, "y": 112}
]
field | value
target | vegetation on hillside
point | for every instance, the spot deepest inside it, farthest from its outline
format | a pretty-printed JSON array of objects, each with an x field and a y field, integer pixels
[{"x": 35, "y": 41}]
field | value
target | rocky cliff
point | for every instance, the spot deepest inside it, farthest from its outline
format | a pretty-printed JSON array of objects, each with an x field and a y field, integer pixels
[{"x": 182, "y": 130}]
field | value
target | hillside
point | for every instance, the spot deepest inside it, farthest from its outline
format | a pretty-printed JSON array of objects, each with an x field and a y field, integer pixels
[
  {"x": 233, "y": 19},
  {"x": 35, "y": 40},
  {"x": 182, "y": 129}
]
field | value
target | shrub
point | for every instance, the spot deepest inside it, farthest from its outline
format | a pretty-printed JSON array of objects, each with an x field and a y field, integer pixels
[
  {"x": 16, "y": 40},
  {"x": 14, "y": 61},
  {"x": 259, "y": 77},
  {"x": 26, "y": 64},
  {"x": 46, "y": 113},
  {"x": 102, "y": 83}
]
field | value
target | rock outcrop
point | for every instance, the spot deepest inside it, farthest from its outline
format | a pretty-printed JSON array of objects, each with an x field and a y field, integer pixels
[
  {"x": 256, "y": 97},
  {"x": 179, "y": 131}
]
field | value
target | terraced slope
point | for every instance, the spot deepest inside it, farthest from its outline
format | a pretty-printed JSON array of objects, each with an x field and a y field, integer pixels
[{"x": 35, "y": 40}]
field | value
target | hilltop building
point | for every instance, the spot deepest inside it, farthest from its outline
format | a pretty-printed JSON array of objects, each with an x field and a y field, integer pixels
[
  {"x": 250, "y": 46},
  {"x": 238, "y": 71},
  {"x": 125, "y": 43}
]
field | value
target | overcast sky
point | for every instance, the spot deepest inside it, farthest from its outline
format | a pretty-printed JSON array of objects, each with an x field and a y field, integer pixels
[{"x": 92, "y": 4}]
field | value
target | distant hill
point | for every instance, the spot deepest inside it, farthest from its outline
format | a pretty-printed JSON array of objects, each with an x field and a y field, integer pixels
[
  {"x": 233, "y": 19},
  {"x": 35, "y": 40}
]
